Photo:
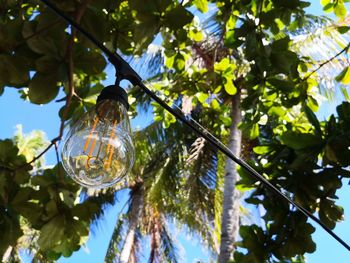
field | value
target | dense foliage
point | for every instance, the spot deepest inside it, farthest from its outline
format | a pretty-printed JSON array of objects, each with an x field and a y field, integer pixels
[{"x": 200, "y": 54}]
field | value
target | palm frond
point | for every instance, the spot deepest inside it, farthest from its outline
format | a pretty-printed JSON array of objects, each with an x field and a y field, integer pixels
[
  {"x": 317, "y": 43},
  {"x": 168, "y": 247},
  {"x": 115, "y": 246}
]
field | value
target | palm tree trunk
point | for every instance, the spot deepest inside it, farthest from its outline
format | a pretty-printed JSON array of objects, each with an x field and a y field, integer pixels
[
  {"x": 135, "y": 215},
  {"x": 230, "y": 212}
]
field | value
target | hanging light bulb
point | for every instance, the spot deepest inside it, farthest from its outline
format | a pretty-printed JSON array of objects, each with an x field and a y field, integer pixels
[{"x": 98, "y": 151}]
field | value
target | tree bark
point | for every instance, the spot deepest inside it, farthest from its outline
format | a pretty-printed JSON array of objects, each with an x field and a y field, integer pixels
[
  {"x": 230, "y": 211},
  {"x": 135, "y": 215}
]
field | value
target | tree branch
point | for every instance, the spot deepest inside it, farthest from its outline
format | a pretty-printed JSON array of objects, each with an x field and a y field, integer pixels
[
  {"x": 69, "y": 55},
  {"x": 327, "y": 61},
  {"x": 71, "y": 91}
]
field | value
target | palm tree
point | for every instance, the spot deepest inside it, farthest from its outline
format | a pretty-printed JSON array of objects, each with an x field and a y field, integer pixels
[
  {"x": 150, "y": 185},
  {"x": 164, "y": 187}
]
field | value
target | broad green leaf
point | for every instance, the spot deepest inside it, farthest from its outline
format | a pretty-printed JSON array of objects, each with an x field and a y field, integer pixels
[
  {"x": 202, "y": 5},
  {"x": 278, "y": 111},
  {"x": 328, "y": 8},
  {"x": 179, "y": 62},
  {"x": 254, "y": 131},
  {"x": 85, "y": 211},
  {"x": 202, "y": 97},
  {"x": 10, "y": 230},
  {"x": 169, "y": 61},
  {"x": 344, "y": 76},
  {"x": 325, "y": 2},
  {"x": 226, "y": 120},
  {"x": 14, "y": 70},
  {"x": 52, "y": 233},
  {"x": 262, "y": 149},
  {"x": 95, "y": 23},
  {"x": 8, "y": 152},
  {"x": 340, "y": 10},
  {"x": 229, "y": 86},
  {"x": 177, "y": 17},
  {"x": 343, "y": 29},
  {"x": 90, "y": 62},
  {"x": 312, "y": 118},
  {"x": 46, "y": 64},
  {"x": 196, "y": 35},
  {"x": 30, "y": 210},
  {"x": 222, "y": 65},
  {"x": 337, "y": 150},
  {"x": 285, "y": 60},
  {"x": 312, "y": 104},
  {"x": 298, "y": 141},
  {"x": 343, "y": 111},
  {"x": 43, "y": 88},
  {"x": 215, "y": 104}
]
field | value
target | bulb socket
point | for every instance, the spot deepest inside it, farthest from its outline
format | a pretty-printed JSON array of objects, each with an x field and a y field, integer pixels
[{"x": 114, "y": 92}]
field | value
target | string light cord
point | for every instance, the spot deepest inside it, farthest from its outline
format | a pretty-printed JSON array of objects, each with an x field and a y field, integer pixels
[{"x": 124, "y": 71}]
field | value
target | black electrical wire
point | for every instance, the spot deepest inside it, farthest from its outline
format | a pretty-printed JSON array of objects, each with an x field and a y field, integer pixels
[{"x": 124, "y": 71}]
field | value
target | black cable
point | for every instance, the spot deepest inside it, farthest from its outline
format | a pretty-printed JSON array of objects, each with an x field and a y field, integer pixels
[{"x": 126, "y": 72}]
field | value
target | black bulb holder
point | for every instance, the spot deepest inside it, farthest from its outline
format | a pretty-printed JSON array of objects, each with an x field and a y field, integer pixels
[{"x": 114, "y": 92}]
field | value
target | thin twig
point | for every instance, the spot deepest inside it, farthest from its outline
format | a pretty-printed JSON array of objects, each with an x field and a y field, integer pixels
[
  {"x": 52, "y": 143},
  {"x": 327, "y": 61},
  {"x": 69, "y": 55},
  {"x": 71, "y": 91}
]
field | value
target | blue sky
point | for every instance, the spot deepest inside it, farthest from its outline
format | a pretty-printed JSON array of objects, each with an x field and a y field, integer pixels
[{"x": 14, "y": 110}]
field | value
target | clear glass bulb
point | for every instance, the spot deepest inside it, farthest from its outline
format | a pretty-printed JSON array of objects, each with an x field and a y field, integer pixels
[{"x": 98, "y": 151}]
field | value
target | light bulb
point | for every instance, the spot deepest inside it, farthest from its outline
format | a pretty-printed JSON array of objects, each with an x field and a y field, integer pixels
[{"x": 98, "y": 151}]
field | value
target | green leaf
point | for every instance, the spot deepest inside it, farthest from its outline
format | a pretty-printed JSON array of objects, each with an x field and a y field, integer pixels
[
  {"x": 46, "y": 64},
  {"x": 328, "y": 8},
  {"x": 85, "y": 211},
  {"x": 222, "y": 65},
  {"x": 312, "y": 118},
  {"x": 254, "y": 131},
  {"x": 52, "y": 233},
  {"x": 179, "y": 62},
  {"x": 14, "y": 70},
  {"x": 284, "y": 59},
  {"x": 169, "y": 61},
  {"x": 325, "y": 2},
  {"x": 343, "y": 29},
  {"x": 10, "y": 230},
  {"x": 278, "y": 111},
  {"x": 202, "y": 97},
  {"x": 202, "y": 5},
  {"x": 43, "y": 88},
  {"x": 95, "y": 23},
  {"x": 90, "y": 62},
  {"x": 177, "y": 17},
  {"x": 262, "y": 149},
  {"x": 229, "y": 86},
  {"x": 196, "y": 35},
  {"x": 344, "y": 76},
  {"x": 298, "y": 141},
  {"x": 215, "y": 104},
  {"x": 340, "y": 10}
]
